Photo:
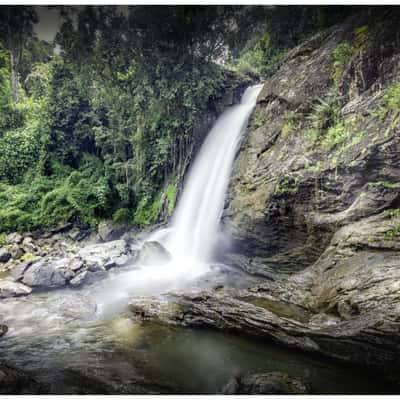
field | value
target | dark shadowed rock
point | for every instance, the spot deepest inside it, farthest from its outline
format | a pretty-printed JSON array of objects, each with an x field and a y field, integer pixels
[
  {"x": 3, "y": 329},
  {"x": 15, "y": 381},
  {"x": 267, "y": 383},
  {"x": 5, "y": 255}
]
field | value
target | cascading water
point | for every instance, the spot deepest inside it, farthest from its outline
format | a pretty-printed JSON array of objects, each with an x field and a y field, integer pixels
[
  {"x": 194, "y": 227},
  {"x": 196, "y": 219}
]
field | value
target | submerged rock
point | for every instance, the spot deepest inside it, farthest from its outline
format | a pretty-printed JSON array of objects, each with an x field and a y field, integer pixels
[
  {"x": 78, "y": 307},
  {"x": 152, "y": 253},
  {"x": 267, "y": 383}
]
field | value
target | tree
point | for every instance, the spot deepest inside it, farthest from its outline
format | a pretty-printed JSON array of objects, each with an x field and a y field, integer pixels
[{"x": 16, "y": 26}]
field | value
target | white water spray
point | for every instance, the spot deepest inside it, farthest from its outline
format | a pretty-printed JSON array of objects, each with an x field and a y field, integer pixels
[{"x": 196, "y": 219}]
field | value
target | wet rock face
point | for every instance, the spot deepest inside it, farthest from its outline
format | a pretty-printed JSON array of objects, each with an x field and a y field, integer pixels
[
  {"x": 268, "y": 383},
  {"x": 15, "y": 381},
  {"x": 290, "y": 190}
]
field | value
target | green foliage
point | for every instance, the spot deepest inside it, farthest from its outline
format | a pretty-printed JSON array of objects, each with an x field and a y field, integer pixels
[
  {"x": 342, "y": 55},
  {"x": 98, "y": 130},
  {"x": 122, "y": 215},
  {"x": 345, "y": 51},
  {"x": 170, "y": 193},
  {"x": 290, "y": 125},
  {"x": 324, "y": 113},
  {"x": 392, "y": 97},
  {"x": 19, "y": 152},
  {"x": 385, "y": 184},
  {"x": 3, "y": 240},
  {"x": 286, "y": 185},
  {"x": 147, "y": 211},
  {"x": 258, "y": 57},
  {"x": 328, "y": 129},
  {"x": 70, "y": 195}
]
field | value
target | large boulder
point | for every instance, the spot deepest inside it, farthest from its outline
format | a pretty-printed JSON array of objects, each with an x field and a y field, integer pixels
[
  {"x": 105, "y": 230},
  {"x": 9, "y": 288},
  {"x": 153, "y": 253},
  {"x": 18, "y": 271},
  {"x": 109, "y": 230},
  {"x": 105, "y": 255},
  {"x": 5, "y": 255},
  {"x": 46, "y": 274},
  {"x": 267, "y": 383}
]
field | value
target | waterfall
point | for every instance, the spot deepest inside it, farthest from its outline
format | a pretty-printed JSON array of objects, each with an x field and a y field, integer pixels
[{"x": 196, "y": 219}]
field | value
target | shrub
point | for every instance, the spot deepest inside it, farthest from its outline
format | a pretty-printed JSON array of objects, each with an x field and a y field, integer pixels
[{"x": 122, "y": 215}]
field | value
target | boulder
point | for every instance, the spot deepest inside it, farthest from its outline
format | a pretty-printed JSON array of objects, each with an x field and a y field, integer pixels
[
  {"x": 29, "y": 246},
  {"x": 105, "y": 230},
  {"x": 153, "y": 253},
  {"x": 45, "y": 274},
  {"x": 87, "y": 277},
  {"x": 9, "y": 288},
  {"x": 109, "y": 230},
  {"x": 99, "y": 255},
  {"x": 14, "y": 238},
  {"x": 75, "y": 265},
  {"x": 79, "y": 279},
  {"x": 77, "y": 234},
  {"x": 18, "y": 271},
  {"x": 267, "y": 383},
  {"x": 5, "y": 255},
  {"x": 16, "y": 252}
]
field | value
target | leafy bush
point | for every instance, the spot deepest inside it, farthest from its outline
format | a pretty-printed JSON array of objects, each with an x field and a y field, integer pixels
[
  {"x": 147, "y": 211},
  {"x": 170, "y": 193},
  {"x": 392, "y": 97},
  {"x": 341, "y": 58},
  {"x": 19, "y": 151},
  {"x": 122, "y": 215},
  {"x": 42, "y": 202}
]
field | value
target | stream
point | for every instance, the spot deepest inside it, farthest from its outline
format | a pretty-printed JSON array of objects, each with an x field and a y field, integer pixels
[{"x": 72, "y": 344}]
